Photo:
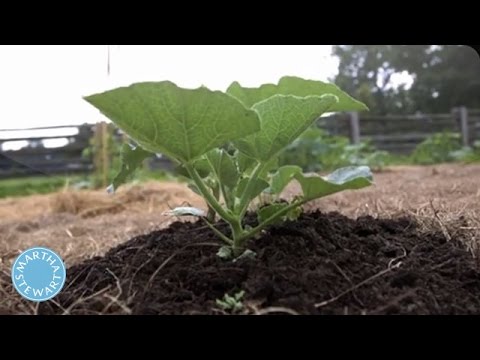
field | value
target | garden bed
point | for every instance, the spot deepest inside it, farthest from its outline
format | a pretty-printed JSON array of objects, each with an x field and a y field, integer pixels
[
  {"x": 324, "y": 263},
  {"x": 443, "y": 202}
]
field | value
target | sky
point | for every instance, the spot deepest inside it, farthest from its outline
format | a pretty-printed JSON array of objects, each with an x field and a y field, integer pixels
[{"x": 43, "y": 85}]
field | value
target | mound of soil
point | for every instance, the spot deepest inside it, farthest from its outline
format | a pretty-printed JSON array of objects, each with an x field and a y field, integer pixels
[{"x": 319, "y": 264}]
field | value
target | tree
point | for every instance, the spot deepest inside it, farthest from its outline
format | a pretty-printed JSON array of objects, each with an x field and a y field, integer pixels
[{"x": 443, "y": 76}]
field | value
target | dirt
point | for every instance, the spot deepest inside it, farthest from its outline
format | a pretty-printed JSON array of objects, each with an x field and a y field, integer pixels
[
  {"x": 81, "y": 225},
  {"x": 321, "y": 264}
]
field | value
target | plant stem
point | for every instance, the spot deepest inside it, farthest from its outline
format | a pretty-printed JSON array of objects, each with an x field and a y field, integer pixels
[
  {"x": 211, "y": 211},
  {"x": 267, "y": 222},
  {"x": 218, "y": 232},
  {"x": 211, "y": 214},
  {"x": 225, "y": 197},
  {"x": 208, "y": 195},
  {"x": 244, "y": 199}
]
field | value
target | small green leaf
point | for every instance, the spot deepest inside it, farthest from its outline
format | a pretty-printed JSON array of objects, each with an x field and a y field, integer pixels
[
  {"x": 231, "y": 302},
  {"x": 239, "y": 295},
  {"x": 225, "y": 252},
  {"x": 132, "y": 158},
  {"x": 350, "y": 177},
  {"x": 245, "y": 163},
  {"x": 272, "y": 164},
  {"x": 224, "y": 167},
  {"x": 294, "y": 214},
  {"x": 291, "y": 85},
  {"x": 265, "y": 212},
  {"x": 283, "y": 119},
  {"x": 247, "y": 254},
  {"x": 223, "y": 304},
  {"x": 259, "y": 186},
  {"x": 180, "y": 123},
  {"x": 282, "y": 177}
]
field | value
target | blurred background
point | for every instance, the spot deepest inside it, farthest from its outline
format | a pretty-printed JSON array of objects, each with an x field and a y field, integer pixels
[{"x": 424, "y": 105}]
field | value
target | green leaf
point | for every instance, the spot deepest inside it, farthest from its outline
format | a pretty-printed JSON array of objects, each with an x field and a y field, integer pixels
[
  {"x": 239, "y": 295},
  {"x": 294, "y": 213},
  {"x": 225, "y": 252},
  {"x": 282, "y": 177},
  {"x": 257, "y": 188},
  {"x": 350, "y": 177},
  {"x": 201, "y": 165},
  {"x": 224, "y": 167},
  {"x": 245, "y": 163},
  {"x": 283, "y": 119},
  {"x": 181, "y": 123},
  {"x": 247, "y": 254},
  {"x": 265, "y": 212},
  {"x": 132, "y": 158},
  {"x": 270, "y": 165},
  {"x": 291, "y": 85}
]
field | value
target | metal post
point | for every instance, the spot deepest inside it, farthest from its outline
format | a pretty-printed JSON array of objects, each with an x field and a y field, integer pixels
[
  {"x": 464, "y": 125},
  {"x": 354, "y": 128}
]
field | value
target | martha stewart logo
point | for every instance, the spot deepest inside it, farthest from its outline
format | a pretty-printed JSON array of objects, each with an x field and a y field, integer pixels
[{"x": 38, "y": 274}]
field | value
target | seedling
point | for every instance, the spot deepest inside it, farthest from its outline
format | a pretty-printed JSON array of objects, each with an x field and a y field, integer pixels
[
  {"x": 231, "y": 303},
  {"x": 227, "y": 144}
]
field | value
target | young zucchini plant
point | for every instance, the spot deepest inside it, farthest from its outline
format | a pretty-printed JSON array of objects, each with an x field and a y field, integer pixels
[{"x": 228, "y": 144}]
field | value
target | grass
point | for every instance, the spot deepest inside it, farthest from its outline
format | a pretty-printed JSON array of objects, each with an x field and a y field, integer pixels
[
  {"x": 25, "y": 186},
  {"x": 33, "y": 185}
]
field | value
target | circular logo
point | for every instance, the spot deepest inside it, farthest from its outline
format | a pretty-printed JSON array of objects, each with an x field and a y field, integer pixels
[{"x": 38, "y": 274}]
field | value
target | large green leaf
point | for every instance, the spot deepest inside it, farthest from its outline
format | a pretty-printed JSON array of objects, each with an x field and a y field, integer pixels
[
  {"x": 282, "y": 177},
  {"x": 224, "y": 167},
  {"x": 258, "y": 186},
  {"x": 291, "y": 85},
  {"x": 283, "y": 118},
  {"x": 181, "y": 123},
  {"x": 132, "y": 158},
  {"x": 201, "y": 165},
  {"x": 351, "y": 177}
]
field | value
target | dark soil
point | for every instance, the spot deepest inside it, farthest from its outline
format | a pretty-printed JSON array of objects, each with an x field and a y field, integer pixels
[{"x": 320, "y": 264}]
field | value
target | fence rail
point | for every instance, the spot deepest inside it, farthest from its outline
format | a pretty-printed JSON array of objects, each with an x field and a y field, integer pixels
[
  {"x": 400, "y": 134},
  {"x": 37, "y": 159},
  {"x": 395, "y": 133}
]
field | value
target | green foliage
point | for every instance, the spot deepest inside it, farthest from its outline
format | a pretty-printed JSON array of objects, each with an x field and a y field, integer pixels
[
  {"x": 132, "y": 159},
  {"x": 438, "y": 148},
  {"x": 231, "y": 303},
  {"x": 291, "y": 85},
  {"x": 468, "y": 154},
  {"x": 33, "y": 185},
  {"x": 365, "y": 154},
  {"x": 444, "y": 76},
  {"x": 315, "y": 150},
  {"x": 164, "y": 118},
  {"x": 228, "y": 145}
]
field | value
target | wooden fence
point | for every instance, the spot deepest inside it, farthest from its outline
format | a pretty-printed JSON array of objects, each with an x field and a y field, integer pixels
[
  {"x": 37, "y": 159},
  {"x": 400, "y": 134},
  {"x": 397, "y": 134}
]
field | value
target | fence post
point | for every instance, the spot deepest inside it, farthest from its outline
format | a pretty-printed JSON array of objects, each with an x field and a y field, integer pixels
[
  {"x": 101, "y": 155},
  {"x": 354, "y": 128},
  {"x": 464, "y": 125}
]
